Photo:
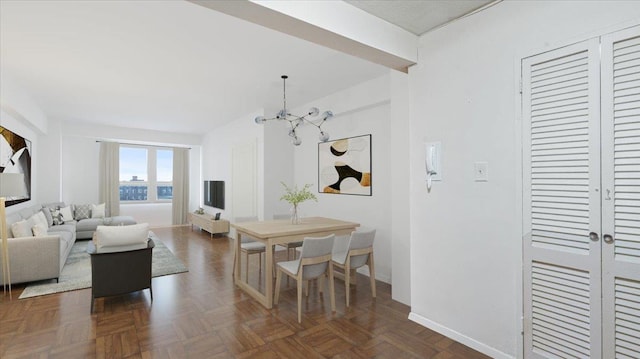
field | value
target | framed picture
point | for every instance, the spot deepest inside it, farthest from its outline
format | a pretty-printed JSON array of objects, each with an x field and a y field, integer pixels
[
  {"x": 344, "y": 166},
  {"x": 15, "y": 157},
  {"x": 217, "y": 217}
]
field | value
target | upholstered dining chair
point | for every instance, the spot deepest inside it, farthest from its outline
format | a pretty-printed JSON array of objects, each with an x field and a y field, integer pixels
[
  {"x": 358, "y": 253},
  {"x": 289, "y": 246},
  {"x": 314, "y": 262},
  {"x": 249, "y": 246}
]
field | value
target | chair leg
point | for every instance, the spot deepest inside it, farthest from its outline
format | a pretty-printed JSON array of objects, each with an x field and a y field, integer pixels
[
  {"x": 92, "y": 300},
  {"x": 300, "y": 298},
  {"x": 347, "y": 278},
  {"x": 306, "y": 288},
  {"x": 151, "y": 293},
  {"x": 332, "y": 291},
  {"x": 372, "y": 275},
  {"x": 321, "y": 283},
  {"x": 277, "y": 288},
  {"x": 246, "y": 269}
]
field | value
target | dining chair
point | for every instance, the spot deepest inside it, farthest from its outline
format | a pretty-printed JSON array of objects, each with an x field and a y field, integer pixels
[
  {"x": 289, "y": 246},
  {"x": 249, "y": 246},
  {"x": 358, "y": 253},
  {"x": 314, "y": 262}
]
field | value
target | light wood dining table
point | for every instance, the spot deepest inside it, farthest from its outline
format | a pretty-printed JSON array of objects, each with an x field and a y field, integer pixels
[{"x": 276, "y": 232}]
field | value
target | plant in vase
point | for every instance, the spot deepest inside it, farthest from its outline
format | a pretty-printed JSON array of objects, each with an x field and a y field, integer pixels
[{"x": 296, "y": 196}]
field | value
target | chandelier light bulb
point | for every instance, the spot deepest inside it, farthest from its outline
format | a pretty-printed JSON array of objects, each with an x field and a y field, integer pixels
[
  {"x": 327, "y": 115},
  {"x": 260, "y": 120},
  {"x": 296, "y": 141},
  {"x": 314, "y": 111},
  {"x": 324, "y": 136}
]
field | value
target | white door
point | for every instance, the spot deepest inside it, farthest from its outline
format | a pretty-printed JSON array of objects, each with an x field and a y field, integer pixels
[
  {"x": 621, "y": 193},
  {"x": 561, "y": 184}
]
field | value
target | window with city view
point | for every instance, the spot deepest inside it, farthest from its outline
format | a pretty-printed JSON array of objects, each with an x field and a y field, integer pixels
[{"x": 146, "y": 174}]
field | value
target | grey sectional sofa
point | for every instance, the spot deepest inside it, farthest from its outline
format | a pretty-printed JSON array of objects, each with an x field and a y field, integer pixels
[{"x": 42, "y": 257}]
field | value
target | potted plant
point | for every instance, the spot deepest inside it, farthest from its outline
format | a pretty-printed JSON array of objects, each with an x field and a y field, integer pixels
[{"x": 296, "y": 196}]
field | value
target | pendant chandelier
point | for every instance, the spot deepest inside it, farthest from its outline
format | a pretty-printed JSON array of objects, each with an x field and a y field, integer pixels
[{"x": 295, "y": 121}]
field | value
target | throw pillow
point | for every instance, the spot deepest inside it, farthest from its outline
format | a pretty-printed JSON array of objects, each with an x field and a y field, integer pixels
[
  {"x": 56, "y": 216},
  {"x": 67, "y": 214},
  {"x": 21, "y": 229},
  {"x": 39, "y": 230},
  {"x": 83, "y": 211},
  {"x": 120, "y": 238},
  {"x": 97, "y": 210},
  {"x": 47, "y": 215},
  {"x": 39, "y": 218}
]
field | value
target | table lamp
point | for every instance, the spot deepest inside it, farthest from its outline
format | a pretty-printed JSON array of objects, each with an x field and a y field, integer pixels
[{"x": 11, "y": 185}]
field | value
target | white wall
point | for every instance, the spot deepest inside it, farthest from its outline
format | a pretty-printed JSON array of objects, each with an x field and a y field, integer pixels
[
  {"x": 399, "y": 189},
  {"x": 360, "y": 110},
  {"x": 465, "y": 235}
]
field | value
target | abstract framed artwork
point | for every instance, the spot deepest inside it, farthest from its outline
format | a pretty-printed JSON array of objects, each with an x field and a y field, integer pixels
[
  {"x": 344, "y": 166},
  {"x": 15, "y": 157}
]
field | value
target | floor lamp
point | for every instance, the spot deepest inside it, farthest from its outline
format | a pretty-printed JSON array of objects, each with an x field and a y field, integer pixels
[{"x": 11, "y": 185}]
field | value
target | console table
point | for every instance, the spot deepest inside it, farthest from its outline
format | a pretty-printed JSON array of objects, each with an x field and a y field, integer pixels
[{"x": 207, "y": 223}]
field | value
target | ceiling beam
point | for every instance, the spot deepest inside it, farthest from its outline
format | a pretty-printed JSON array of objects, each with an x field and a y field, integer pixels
[{"x": 333, "y": 24}]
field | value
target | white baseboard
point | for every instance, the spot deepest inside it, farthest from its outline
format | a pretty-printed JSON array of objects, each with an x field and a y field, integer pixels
[{"x": 460, "y": 338}]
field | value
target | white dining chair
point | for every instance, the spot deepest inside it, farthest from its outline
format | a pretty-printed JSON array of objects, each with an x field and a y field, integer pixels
[
  {"x": 290, "y": 247},
  {"x": 249, "y": 246},
  {"x": 359, "y": 252},
  {"x": 314, "y": 262}
]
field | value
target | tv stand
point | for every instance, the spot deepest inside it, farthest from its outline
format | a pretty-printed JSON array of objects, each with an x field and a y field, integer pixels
[{"x": 208, "y": 223}]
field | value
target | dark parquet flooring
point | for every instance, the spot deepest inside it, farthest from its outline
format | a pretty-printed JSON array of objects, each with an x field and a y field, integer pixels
[{"x": 201, "y": 314}]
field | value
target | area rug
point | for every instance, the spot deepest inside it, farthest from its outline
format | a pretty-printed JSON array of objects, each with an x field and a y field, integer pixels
[{"x": 76, "y": 273}]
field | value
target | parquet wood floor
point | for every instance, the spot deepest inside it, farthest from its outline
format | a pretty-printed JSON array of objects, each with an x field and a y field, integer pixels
[{"x": 201, "y": 314}]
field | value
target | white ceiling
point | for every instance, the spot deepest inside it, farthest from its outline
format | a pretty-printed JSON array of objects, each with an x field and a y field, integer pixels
[
  {"x": 165, "y": 65},
  {"x": 418, "y": 16}
]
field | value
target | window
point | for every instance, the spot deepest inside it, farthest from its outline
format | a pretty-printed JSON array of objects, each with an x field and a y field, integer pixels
[{"x": 146, "y": 174}]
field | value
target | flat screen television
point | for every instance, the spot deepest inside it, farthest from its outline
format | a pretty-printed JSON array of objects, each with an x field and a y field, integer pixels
[{"x": 214, "y": 194}]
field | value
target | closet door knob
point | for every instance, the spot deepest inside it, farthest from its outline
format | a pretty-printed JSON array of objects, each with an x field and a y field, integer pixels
[
  {"x": 594, "y": 236},
  {"x": 608, "y": 238}
]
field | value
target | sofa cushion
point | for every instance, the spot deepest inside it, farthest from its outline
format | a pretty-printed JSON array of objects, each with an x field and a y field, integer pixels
[
  {"x": 67, "y": 213},
  {"x": 39, "y": 218},
  {"x": 97, "y": 210},
  {"x": 21, "y": 229},
  {"x": 47, "y": 215},
  {"x": 89, "y": 224},
  {"x": 25, "y": 213},
  {"x": 67, "y": 227},
  {"x": 56, "y": 216},
  {"x": 82, "y": 211},
  {"x": 109, "y": 239},
  {"x": 39, "y": 230}
]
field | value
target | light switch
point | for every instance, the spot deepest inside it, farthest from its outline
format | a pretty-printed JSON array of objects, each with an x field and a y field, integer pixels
[{"x": 481, "y": 171}]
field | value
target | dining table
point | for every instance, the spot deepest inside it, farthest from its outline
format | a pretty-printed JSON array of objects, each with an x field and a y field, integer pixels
[{"x": 275, "y": 232}]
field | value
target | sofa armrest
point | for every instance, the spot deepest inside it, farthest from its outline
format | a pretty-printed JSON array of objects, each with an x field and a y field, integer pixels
[{"x": 34, "y": 258}]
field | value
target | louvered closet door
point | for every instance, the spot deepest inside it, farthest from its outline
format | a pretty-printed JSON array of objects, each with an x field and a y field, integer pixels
[
  {"x": 621, "y": 193},
  {"x": 562, "y": 203}
]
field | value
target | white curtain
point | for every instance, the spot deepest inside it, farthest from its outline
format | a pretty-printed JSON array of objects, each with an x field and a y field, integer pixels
[
  {"x": 180, "y": 203},
  {"x": 109, "y": 177}
]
